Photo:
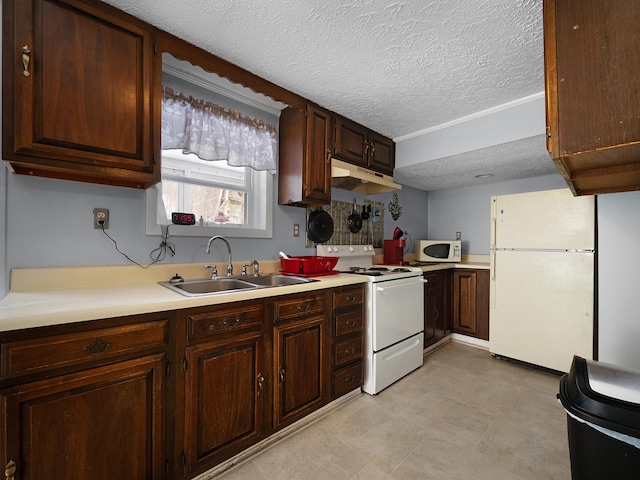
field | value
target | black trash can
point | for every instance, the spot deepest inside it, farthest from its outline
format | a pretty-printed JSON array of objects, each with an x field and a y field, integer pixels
[{"x": 603, "y": 420}]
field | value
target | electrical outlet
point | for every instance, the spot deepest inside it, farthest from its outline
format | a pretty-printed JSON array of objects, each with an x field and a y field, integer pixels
[
  {"x": 296, "y": 229},
  {"x": 458, "y": 235},
  {"x": 101, "y": 218}
]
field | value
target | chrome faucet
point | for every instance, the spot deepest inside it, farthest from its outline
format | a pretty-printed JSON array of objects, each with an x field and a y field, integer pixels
[
  {"x": 208, "y": 250},
  {"x": 256, "y": 268}
]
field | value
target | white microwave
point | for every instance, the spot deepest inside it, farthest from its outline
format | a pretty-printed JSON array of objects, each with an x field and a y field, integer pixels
[{"x": 438, "y": 250}]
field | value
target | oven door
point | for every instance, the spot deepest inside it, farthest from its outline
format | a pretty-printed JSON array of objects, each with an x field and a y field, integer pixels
[{"x": 397, "y": 308}]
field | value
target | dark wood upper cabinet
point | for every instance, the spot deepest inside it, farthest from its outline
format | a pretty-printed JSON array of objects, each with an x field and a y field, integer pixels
[
  {"x": 360, "y": 146},
  {"x": 305, "y": 156},
  {"x": 77, "y": 90},
  {"x": 592, "y": 67}
]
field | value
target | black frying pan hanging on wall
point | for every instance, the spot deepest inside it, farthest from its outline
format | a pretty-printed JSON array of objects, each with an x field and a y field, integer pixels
[
  {"x": 319, "y": 226},
  {"x": 354, "y": 220}
]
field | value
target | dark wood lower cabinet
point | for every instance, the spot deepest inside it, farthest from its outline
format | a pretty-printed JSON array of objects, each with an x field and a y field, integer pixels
[
  {"x": 102, "y": 423},
  {"x": 171, "y": 395},
  {"x": 471, "y": 302},
  {"x": 298, "y": 369},
  {"x": 225, "y": 392}
]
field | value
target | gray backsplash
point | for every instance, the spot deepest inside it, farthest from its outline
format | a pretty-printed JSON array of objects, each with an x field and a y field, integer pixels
[{"x": 372, "y": 231}]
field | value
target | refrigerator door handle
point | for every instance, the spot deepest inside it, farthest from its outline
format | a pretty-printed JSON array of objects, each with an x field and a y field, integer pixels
[{"x": 492, "y": 269}]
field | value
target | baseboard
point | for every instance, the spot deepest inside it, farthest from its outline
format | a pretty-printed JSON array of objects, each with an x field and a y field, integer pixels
[
  {"x": 472, "y": 341},
  {"x": 278, "y": 436},
  {"x": 436, "y": 346}
]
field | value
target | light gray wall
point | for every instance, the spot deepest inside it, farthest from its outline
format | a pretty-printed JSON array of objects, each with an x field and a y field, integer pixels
[
  {"x": 49, "y": 223},
  {"x": 468, "y": 210},
  {"x": 618, "y": 262}
]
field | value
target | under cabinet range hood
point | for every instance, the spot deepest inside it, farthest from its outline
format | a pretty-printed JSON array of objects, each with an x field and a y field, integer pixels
[{"x": 359, "y": 179}]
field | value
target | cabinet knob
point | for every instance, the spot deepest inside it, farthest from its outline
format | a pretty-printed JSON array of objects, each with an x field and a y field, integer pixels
[
  {"x": 26, "y": 57},
  {"x": 231, "y": 321},
  {"x": 303, "y": 307},
  {"x": 10, "y": 470},
  {"x": 350, "y": 350},
  {"x": 97, "y": 347},
  {"x": 282, "y": 373},
  {"x": 350, "y": 298},
  {"x": 349, "y": 378},
  {"x": 351, "y": 322},
  {"x": 260, "y": 382}
]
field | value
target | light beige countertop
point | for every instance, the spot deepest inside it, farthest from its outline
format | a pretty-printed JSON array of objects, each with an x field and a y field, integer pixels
[
  {"x": 468, "y": 261},
  {"x": 54, "y": 296}
]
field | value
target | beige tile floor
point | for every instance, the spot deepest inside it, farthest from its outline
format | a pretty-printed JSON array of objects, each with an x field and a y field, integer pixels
[{"x": 462, "y": 415}]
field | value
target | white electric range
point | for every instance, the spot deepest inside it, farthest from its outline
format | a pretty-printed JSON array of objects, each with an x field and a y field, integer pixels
[{"x": 394, "y": 314}]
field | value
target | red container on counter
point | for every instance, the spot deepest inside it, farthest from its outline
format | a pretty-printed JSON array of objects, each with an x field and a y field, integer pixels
[{"x": 308, "y": 264}]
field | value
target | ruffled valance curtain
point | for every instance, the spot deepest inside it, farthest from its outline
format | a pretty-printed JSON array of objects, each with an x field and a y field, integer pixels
[{"x": 215, "y": 133}]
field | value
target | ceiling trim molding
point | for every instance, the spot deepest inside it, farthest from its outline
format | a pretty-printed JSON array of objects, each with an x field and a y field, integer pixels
[{"x": 474, "y": 116}]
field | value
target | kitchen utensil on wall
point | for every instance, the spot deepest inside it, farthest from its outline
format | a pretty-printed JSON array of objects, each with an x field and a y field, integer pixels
[
  {"x": 354, "y": 220},
  {"x": 319, "y": 226},
  {"x": 366, "y": 212},
  {"x": 394, "y": 207}
]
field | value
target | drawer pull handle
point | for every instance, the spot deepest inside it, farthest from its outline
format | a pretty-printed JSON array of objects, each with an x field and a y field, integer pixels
[
  {"x": 26, "y": 57},
  {"x": 231, "y": 321},
  {"x": 350, "y": 350},
  {"x": 303, "y": 307},
  {"x": 260, "y": 382},
  {"x": 351, "y": 298},
  {"x": 10, "y": 470},
  {"x": 349, "y": 378},
  {"x": 97, "y": 347},
  {"x": 351, "y": 322}
]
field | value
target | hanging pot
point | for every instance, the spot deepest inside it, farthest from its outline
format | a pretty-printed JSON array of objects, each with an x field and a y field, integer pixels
[
  {"x": 319, "y": 226},
  {"x": 366, "y": 212},
  {"x": 354, "y": 220}
]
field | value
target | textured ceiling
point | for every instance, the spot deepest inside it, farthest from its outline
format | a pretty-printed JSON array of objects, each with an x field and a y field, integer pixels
[{"x": 397, "y": 67}]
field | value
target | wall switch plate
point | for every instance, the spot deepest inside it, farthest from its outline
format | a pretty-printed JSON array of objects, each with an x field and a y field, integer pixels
[
  {"x": 458, "y": 235},
  {"x": 101, "y": 218}
]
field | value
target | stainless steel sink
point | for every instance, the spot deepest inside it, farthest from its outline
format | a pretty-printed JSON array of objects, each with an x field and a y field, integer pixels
[
  {"x": 215, "y": 286},
  {"x": 277, "y": 280}
]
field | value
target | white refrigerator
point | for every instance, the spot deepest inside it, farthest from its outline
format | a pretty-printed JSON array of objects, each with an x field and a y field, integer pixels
[{"x": 542, "y": 277}]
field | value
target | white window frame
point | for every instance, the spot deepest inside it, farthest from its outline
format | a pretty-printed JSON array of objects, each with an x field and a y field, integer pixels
[{"x": 259, "y": 213}]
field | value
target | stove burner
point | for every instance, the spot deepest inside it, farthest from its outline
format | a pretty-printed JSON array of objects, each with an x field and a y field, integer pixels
[
  {"x": 364, "y": 271},
  {"x": 400, "y": 269}
]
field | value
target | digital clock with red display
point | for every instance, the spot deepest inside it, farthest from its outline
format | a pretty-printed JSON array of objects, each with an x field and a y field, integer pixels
[{"x": 178, "y": 218}]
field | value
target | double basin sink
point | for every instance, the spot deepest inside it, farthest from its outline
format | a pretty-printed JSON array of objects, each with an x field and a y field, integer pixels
[{"x": 213, "y": 286}]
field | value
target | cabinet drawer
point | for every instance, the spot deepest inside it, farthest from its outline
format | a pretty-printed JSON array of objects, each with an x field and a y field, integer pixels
[
  {"x": 202, "y": 325},
  {"x": 299, "y": 306},
  {"x": 348, "y": 322},
  {"x": 348, "y": 298},
  {"x": 346, "y": 351},
  {"x": 57, "y": 351},
  {"x": 347, "y": 379}
]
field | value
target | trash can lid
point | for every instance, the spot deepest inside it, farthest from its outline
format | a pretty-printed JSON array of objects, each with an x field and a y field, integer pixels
[
  {"x": 605, "y": 395},
  {"x": 613, "y": 381}
]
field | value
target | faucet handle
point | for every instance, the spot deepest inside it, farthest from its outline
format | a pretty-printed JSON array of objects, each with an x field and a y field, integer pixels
[{"x": 214, "y": 270}]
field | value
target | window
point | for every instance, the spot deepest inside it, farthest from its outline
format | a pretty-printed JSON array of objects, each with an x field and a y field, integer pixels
[
  {"x": 226, "y": 200},
  {"x": 235, "y": 201}
]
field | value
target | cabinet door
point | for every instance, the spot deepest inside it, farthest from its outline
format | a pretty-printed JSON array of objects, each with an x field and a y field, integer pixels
[
  {"x": 351, "y": 143},
  {"x": 434, "y": 315},
  {"x": 471, "y": 303},
  {"x": 592, "y": 71},
  {"x": 464, "y": 302},
  {"x": 381, "y": 153},
  {"x": 101, "y": 424},
  {"x": 304, "y": 170},
  {"x": 79, "y": 79},
  {"x": 317, "y": 165},
  {"x": 298, "y": 368},
  {"x": 225, "y": 390}
]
